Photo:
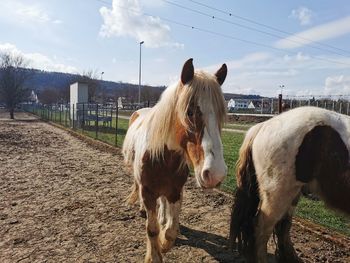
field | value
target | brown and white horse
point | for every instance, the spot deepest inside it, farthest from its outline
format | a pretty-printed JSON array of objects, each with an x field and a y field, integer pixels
[
  {"x": 305, "y": 146},
  {"x": 183, "y": 128}
]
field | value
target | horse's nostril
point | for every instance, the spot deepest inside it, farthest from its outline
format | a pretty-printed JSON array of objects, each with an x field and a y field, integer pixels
[{"x": 206, "y": 175}]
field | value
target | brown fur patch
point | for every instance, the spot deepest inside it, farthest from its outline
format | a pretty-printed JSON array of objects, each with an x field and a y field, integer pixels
[
  {"x": 165, "y": 176},
  {"x": 133, "y": 117},
  {"x": 324, "y": 157},
  {"x": 191, "y": 139}
]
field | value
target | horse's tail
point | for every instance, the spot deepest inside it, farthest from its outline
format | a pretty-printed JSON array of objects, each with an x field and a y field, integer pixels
[
  {"x": 247, "y": 199},
  {"x": 134, "y": 195}
]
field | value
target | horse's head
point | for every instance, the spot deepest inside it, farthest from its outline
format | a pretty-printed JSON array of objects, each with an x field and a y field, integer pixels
[{"x": 200, "y": 113}]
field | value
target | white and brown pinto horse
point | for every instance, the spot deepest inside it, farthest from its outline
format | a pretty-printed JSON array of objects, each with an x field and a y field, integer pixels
[
  {"x": 305, "y": 146},
  {"x": 182, "y": 129}
]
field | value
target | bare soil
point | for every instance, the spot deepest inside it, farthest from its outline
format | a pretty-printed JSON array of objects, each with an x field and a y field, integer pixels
[{"x": 62, "y": 200}]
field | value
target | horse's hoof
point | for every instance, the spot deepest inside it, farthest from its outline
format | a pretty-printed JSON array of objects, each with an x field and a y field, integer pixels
[{"x": 166, "y": 245}]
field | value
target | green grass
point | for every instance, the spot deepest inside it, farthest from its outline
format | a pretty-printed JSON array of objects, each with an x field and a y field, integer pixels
[
  {"x": 309, "y": 209},
  {"x": 243, "y": 127},
  {"x": 317, "y": 212}
]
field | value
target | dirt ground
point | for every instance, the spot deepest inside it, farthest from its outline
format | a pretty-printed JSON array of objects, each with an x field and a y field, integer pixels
[{"x": 62, "y": 200}]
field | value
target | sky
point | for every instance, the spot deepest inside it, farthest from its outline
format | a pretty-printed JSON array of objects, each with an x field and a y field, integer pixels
[{"x": 302, "y": 45}]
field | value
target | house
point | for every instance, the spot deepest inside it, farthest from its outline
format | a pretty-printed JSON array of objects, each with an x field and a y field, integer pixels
[
  {"x": 238, "y": 104},
  {"x": 33, "y": 97}
]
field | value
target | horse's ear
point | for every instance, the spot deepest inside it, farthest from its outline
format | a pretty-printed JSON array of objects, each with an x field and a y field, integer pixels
[
  {"x": 221, "y": 74},
  {"x": 187, "y": 71}
]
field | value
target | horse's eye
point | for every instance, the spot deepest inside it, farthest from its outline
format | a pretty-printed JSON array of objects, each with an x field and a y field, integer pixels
[{"x": 189, "y": 112}]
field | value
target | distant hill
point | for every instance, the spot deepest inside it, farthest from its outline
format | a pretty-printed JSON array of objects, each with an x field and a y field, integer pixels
[
  {"x": 41, "y": 80},
  {"x": 229, "y": 96}
]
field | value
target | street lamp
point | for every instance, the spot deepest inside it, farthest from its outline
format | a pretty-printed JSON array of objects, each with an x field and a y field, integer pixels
[
  {"x": 102, "y": 75},
  {"x": 140, "y": 74}
]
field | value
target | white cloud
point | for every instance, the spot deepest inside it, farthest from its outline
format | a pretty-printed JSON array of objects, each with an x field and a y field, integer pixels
[
  {"x": 303, "y": 14},
  {"x": 126, "y": 19},
  {"x": 337, "y": 85},
  {"x": 318, "y": 33},
  {"x": 38, "y": 60},
  {"x": 25, "y": 13}
]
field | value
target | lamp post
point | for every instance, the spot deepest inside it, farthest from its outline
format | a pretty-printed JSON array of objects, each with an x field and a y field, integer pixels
[
  {"x": 140, "y": 74},
  {"x": 280, "y": 100},
  {"x": 102, "y": 75}
]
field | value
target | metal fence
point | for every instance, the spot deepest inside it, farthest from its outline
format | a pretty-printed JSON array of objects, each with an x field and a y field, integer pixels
[
  {"x": 99, "y": 121},
  {"x": 271, "y": 105}
]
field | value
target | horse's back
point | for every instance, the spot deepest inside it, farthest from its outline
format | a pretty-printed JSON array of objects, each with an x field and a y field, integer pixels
[
  {"x": 307, "y": 145},
  {"x": 283, "y": 134},
  {"x": 133, "y": 140},
  {"x": 141, "y": 112}
]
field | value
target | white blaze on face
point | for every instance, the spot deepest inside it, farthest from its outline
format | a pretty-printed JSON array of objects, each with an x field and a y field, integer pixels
[{"x": 214, "y": 168}]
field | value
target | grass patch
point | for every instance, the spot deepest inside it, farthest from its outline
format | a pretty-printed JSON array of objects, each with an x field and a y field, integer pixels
[
  {"x": 317, "y": 212},
  {"x": 243, "y": 127}
]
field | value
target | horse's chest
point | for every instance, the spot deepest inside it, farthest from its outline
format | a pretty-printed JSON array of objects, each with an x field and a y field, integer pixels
[{"x": 164, "y": 176}]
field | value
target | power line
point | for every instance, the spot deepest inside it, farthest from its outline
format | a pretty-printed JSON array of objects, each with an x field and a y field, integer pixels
[
  {"x": 248, "y": 27},
  {"x": 225, "y": 35},
  {"x": 268, "y": 26}
]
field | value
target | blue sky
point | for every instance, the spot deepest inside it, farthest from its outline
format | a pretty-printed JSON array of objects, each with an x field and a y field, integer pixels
[{"x": 80, "y": 35}]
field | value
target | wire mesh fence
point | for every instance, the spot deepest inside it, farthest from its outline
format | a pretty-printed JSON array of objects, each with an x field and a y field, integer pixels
[
  {"x": 271, "y": 105},
  {"x": 101, "y": 121}
]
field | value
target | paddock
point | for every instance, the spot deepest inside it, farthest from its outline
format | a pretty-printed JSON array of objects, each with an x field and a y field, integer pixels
[{"x": 62, "y": 200}]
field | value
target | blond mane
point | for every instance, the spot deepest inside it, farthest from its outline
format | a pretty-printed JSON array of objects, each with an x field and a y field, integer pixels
[{"x": 174, "y": 103}]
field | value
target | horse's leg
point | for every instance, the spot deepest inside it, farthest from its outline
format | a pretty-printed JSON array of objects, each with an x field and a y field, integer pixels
[
  {"x": 171, "y": 229},
  {"x": 162, "y": 217},
  {"x": 274, "y": 205},
  {"x": 152, "y": 227},
  {"x": 134, "y": 196},
  {"x": 285, "y": 251}
]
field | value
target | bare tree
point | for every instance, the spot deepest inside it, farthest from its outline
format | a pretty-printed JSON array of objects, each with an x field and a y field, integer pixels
[{"x": 12, "y": 80}]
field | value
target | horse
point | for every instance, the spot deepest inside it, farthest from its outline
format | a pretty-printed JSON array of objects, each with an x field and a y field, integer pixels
[
  {"x": 181, "y": 131},
  {"x": 306, "y": 146}
]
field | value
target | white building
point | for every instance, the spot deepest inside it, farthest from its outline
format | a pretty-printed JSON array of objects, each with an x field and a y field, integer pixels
[
  {"x": 33, "y": 97},
  {"x": 235, "y": 104}
]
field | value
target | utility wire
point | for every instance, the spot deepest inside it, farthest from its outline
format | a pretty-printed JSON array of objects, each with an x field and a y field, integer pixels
[
  {"x": 225, "y": 35},
  {"x": 267, "y": 26},
  {"x": 248, "y": 27}
]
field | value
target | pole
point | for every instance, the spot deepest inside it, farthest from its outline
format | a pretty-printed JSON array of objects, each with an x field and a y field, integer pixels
[
  {"x": 280, "y": 103},
  {"x": 83, "y": 124},
  {"x": 140, "y": 74},
  {"x": 116, "y": 126},
  {"x": 73, "y": 114},
  {"x": 96, "y": 124}
]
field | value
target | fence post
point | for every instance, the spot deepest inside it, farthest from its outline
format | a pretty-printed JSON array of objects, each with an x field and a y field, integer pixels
[
  {"x": 83, "y": 124},
  {"x": 116, "y": 125},
  {"x": 279, "y": 103},
  {"x": 333, "y": 106},
  {"x": 340, "y": 107},
  {"x": 96, "y": 122},
  {"x": 271, "y": 106},
  {"x": 73, "y": 114},
  {"x": 262, "y": 106},
  {"x": 110, "y": 125}
]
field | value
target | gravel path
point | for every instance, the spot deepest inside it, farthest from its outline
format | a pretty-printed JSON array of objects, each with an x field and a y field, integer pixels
[{"x": 62, "y": 200}]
